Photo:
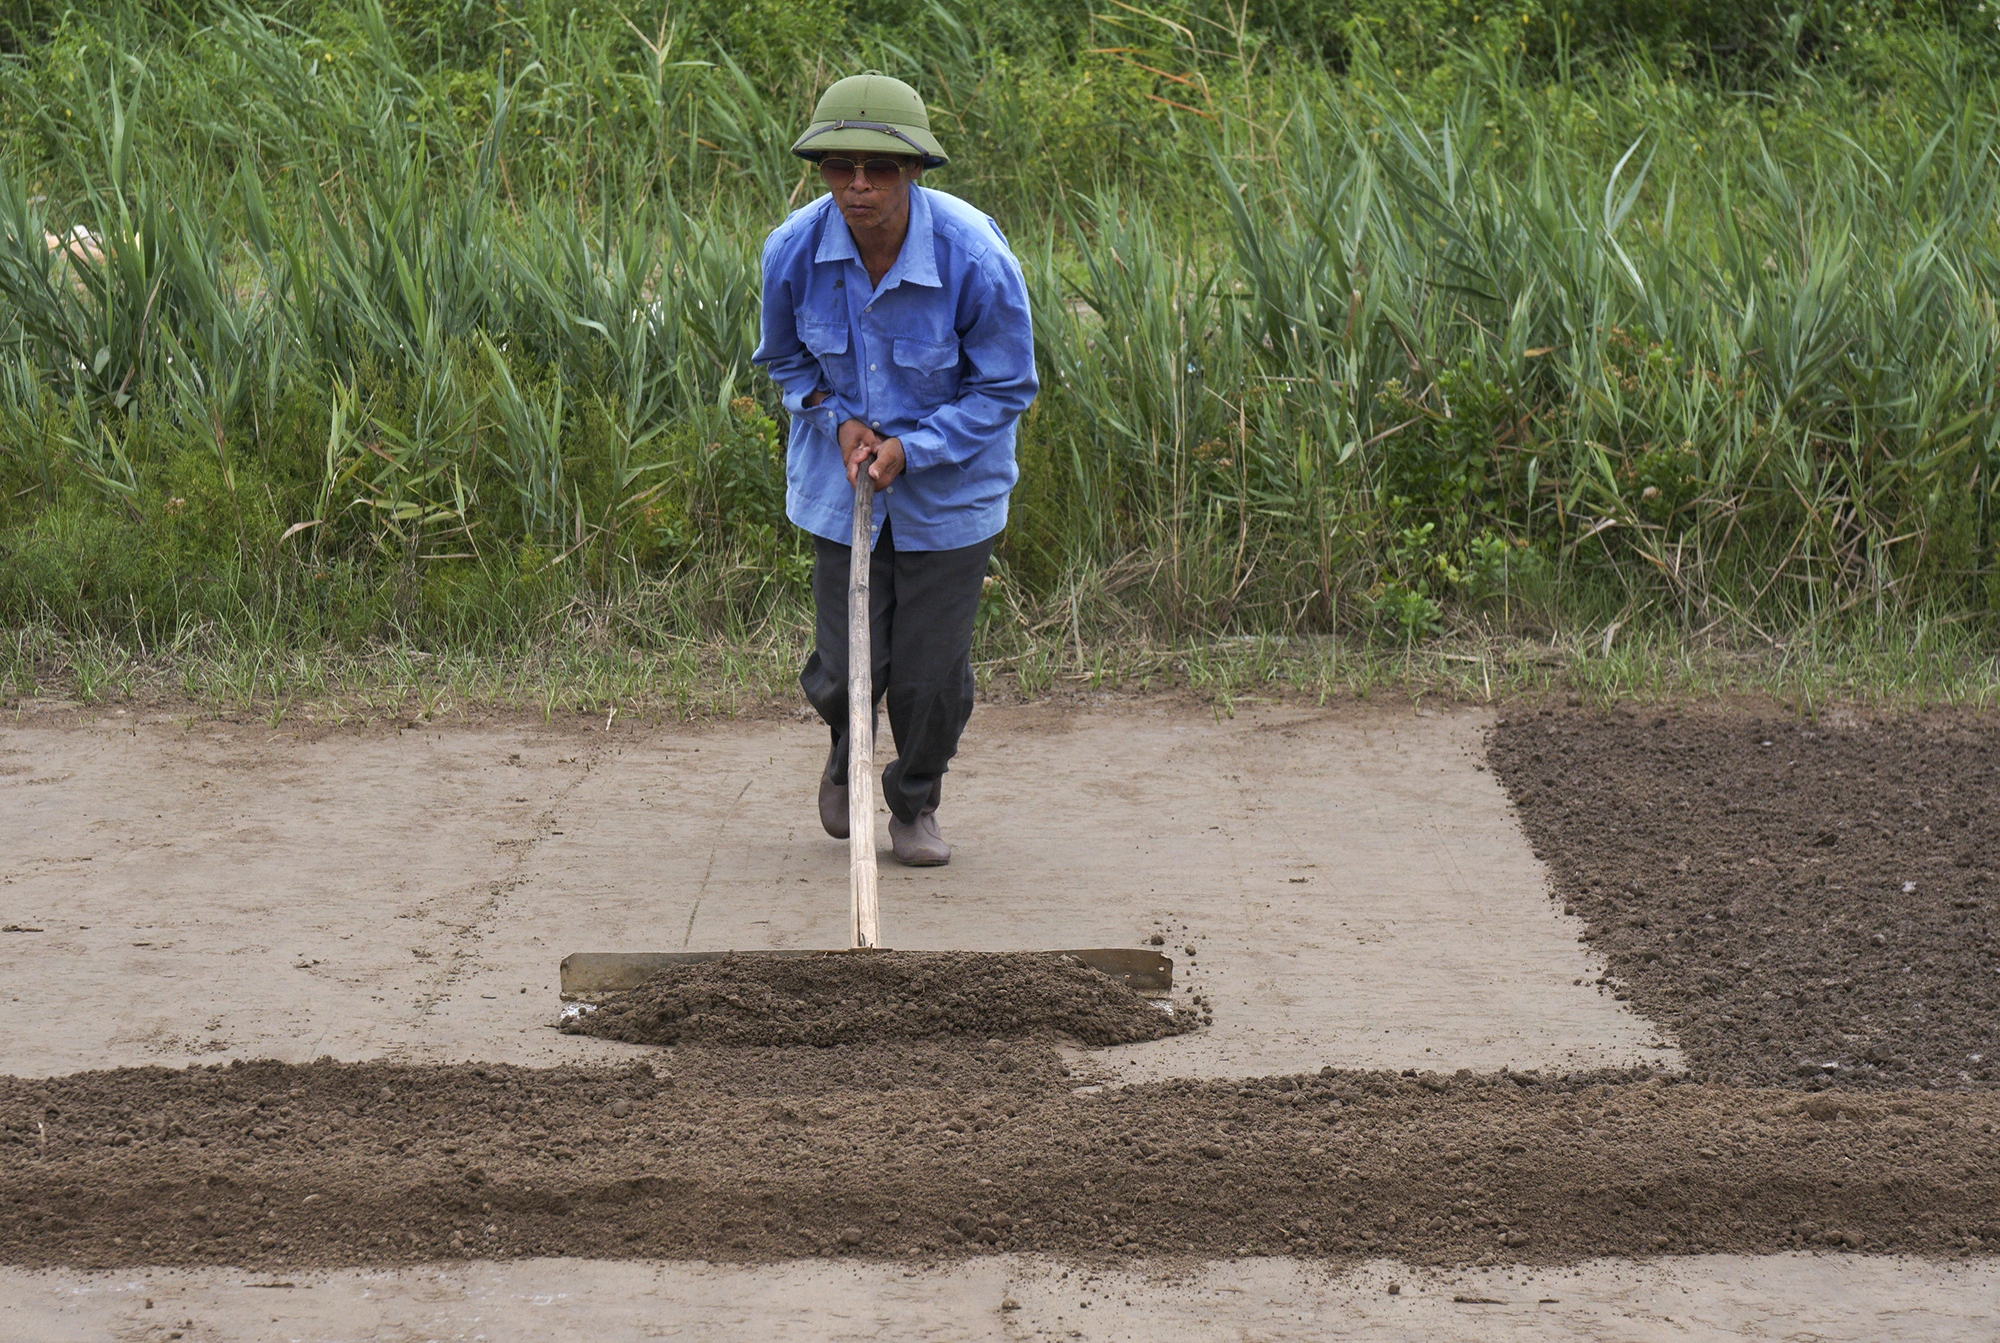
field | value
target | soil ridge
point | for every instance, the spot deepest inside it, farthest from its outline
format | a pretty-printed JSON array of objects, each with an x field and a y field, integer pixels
[
  {"x": 760, "y": 1155},
  {"x": 751, "y": 1001}
]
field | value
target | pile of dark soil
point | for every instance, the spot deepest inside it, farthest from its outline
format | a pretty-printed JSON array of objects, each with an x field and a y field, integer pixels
[
  {"x": 1800, "y": 904},
  {"x": 754, "y": 1155},
  {"x": 890, "y": 995}
]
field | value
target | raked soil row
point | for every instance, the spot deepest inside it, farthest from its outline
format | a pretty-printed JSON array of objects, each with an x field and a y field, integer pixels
[{"x": 924, "y": 1151}]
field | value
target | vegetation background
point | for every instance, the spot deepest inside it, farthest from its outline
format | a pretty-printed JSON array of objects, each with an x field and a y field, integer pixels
[{"x": 406, "y": 344}]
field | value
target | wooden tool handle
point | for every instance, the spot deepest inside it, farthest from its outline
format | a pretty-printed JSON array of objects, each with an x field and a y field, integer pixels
[{"x": 861, "y": 720}]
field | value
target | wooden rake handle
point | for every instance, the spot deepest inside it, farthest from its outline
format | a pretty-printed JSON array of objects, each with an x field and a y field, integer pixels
[{"x": 861, "y": 721}]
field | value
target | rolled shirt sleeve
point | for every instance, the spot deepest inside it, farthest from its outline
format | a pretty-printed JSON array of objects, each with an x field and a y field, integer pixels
[{"x": 827, "y": 416}]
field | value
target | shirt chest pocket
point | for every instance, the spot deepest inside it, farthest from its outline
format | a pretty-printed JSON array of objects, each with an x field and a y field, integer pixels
[
  {"x": 929, "y": 368},
  {"x": 829, "y": 345}
]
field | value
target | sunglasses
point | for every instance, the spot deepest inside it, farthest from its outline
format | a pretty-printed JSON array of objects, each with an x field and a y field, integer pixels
[{"x": 881, "y": 173}]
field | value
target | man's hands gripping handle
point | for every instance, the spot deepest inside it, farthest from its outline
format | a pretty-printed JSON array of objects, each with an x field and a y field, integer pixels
[
  {"x": 859, "y": 444},
  {"x": 884, "y": 456}
]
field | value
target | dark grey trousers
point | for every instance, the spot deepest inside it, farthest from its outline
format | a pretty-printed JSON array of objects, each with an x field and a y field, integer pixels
[{"x": 921, "y": 605}]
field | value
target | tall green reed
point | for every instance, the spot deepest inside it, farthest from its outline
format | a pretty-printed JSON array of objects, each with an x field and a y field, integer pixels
[{"x": 374, "y": 344}]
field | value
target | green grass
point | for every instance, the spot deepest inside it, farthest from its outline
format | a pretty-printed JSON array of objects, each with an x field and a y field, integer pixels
[
  {"x": 1378, "y": 347},
  {"x": 1895, "y": 669}
]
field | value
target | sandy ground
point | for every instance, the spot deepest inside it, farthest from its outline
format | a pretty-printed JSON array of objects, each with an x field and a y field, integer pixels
[
  {"x": 1783, "y": 1298},
  {"x": 1352, "y": 883}
]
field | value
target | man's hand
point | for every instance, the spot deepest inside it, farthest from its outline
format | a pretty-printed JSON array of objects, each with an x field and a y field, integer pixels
[
  {"x": 855, "y": 437},
  {"x": 859, "y": 443}
]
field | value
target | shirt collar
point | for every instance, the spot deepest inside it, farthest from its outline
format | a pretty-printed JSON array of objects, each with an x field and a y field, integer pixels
[
  {"x": 835, "y": 242},
  {"x": 915, "y": 264}
]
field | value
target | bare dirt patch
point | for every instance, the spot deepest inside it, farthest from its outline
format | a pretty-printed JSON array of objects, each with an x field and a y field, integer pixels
[
  {"x": 868, "y": 997},
  {"x": 1801, "y": 904},
  {"x": 909, "y": 1147},
  {"x": 754, "y": 1155}
]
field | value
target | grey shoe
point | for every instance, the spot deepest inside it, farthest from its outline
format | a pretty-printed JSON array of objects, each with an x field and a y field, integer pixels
[
  {"x": 919, "y": 844},
  {"x": 832, "y": 799}
]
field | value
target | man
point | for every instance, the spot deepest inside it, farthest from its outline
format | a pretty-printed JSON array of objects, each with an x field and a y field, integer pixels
[{"x": 896, "y": 323}]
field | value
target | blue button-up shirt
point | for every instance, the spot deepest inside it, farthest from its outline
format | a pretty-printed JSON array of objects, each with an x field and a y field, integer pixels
[{"x": 939, "y": 355}]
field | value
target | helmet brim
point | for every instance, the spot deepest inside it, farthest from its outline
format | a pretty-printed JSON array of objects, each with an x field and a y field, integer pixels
[{"x": 826, "y": 137}]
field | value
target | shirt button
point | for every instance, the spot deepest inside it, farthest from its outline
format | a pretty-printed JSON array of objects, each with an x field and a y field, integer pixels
[
  {"x": 871, "y": 368},
  {"x": 875, "y": 423}
]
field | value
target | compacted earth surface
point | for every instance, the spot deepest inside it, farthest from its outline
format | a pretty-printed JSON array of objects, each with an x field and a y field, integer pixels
[
  {"x": 1804, "y": 908},
  {"x": 1800, "y": 903}
]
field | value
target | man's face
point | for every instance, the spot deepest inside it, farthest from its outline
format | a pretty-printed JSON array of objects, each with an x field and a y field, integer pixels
[{"x": 872, "y": 194}]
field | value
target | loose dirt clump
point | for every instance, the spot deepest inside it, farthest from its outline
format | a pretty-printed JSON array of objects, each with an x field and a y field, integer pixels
[
  {"x": 1800, "y": 904},
  {"x": 760, "y": 1155},
  {"x": 765, "y": 1001}
]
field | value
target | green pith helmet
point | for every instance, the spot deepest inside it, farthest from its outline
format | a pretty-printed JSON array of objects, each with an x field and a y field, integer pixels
[{"x": 871, "y": 114}]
